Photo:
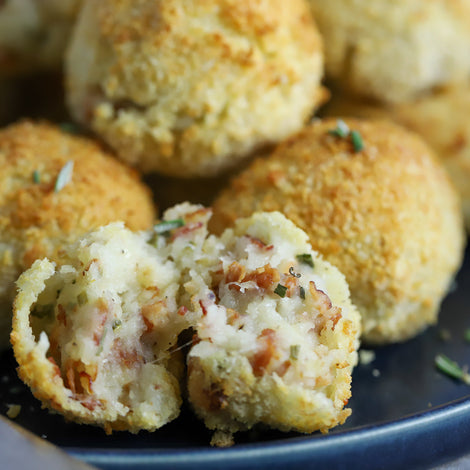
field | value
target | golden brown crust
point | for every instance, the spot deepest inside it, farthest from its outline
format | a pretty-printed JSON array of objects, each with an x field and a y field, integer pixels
[
  {"x": 35, "y": 220},
  {"x": 441, "y": 118},
  {"x": 387, "y": 217},
  {"x": 394, "y": 50},
  {"x": 183, "y": 87}
]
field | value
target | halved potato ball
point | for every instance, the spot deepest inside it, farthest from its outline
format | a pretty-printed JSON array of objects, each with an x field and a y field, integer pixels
[
  {"x": 189, "y": 88},
  {"x": 277, "y": 335},
  {"x": 92, "y": 338},
  {"x": 55, "y": 187},
  {"x": 376, "y": 203},
  {"x": 274, "y": 327}
]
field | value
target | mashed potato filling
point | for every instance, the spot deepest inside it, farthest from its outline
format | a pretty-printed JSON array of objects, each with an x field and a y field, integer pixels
[
  {"x": 274, "y": 332},
  {"x": 277, "y": 335},
  {"x": 101, "y": 330}
]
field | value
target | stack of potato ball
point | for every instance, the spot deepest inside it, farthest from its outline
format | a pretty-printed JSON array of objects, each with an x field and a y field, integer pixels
[{"x": 321, "y": 232}]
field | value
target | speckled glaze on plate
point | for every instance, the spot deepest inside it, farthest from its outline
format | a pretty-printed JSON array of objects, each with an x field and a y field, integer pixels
[{"x": 406, "y": 414}]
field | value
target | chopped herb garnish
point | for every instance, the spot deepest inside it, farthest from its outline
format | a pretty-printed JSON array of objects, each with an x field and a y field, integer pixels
[
  {"x": 305, "y": 258},
  {"x": 42, "y": 311},
  {"x": 100, "y": 347},
  {"x": 302, "y": 293},
  {"x": 341, "y": 130},
  {"x": 357, "y": 141},
  {"x": 167, "y": 225},
  {"x": 451, "y": 368},
  {"x": 294, "y": 351},
  {"x": 292, "y": 273},
  {"x": 36, "y": 177},
  {"x": 467, "y": 336},
  {"x": 117, "y": 324},
  {"x": 280, "y": 290},
  {"x": 64, "y": 177},
  {"x": 82, "y": 298}
]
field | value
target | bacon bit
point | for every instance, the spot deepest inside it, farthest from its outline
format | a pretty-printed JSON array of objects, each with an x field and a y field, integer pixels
[
  {"x": 90, "y": 402},
  {"x": 235, "y": 273},
  {"x": 282, "y": 369},
  {"x": 182, "y": 311},
  {"x": 61, "y": 316},
  {"x": 292, "y": 284},
  {"x": 129, "y": 358},
  {"x": 94, "y": 260},
  {"x": 217, "y": 398},
  {"x": 198, "y": 214},
  {"x": 321, "y": 300},
  {"x": 188, "y": 228},
  {"x": 153, "y": 314},
  {"x": 99, "y": 329},
  {"x": 259, "y": 243},
  {"x": 328, "y": 315},
  {"x": 261, "y": 359},
  {"x": 70, "y": 376},
  {"x": 264, "y": 277},
  {"x": 204, "y": 309},
  {"x": 155, "y": 289},
  {"x": 232, "y": 316},
  {"x": 56, "y": 367}
]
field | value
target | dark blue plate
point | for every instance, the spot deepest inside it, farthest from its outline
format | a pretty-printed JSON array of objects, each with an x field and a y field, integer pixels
[{"x": 406, "y": 414}]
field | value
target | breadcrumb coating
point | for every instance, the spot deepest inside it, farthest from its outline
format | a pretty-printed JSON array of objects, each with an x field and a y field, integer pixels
[
  {"x": 387, "y": 216},
  {"x": 278, "y": 341},
  {"x": 442, "y": 120},
  {"x": 273, "y": 327},
  {"x": 189, "y": 88},
  {"x": 394, "y": 50},
  {"x": 37, "y": 220}
]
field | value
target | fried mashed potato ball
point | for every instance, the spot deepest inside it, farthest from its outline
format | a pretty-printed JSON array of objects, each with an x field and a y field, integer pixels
[
  {"x": 387, "y": 216},
  {"x": 34, "y": 33},
  {"x": 274, "y": 327},
  {"x": 277, "y": 342},
  {"x": 92, "y": 338},
  {"x": 441, "y": 118},
  {"x": 38, "y": 216},
  {"x": 394, "y": 50},
  {"x": 188, "y": 88}
]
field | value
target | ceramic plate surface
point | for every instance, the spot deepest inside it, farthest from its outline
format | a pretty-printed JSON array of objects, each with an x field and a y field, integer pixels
[{"x": 406, "y": 414}]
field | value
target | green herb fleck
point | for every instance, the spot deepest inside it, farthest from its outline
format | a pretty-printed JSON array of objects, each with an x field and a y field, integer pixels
[
  {"x": 305, "y": 258},
  {"x": 101, "y": 345},
  {"x": 280, "y": 290},
  {"x": 117, "y": 324},
  {"x": 42, "y": 311},
  {"x": 341, "y": 130},
  {"x": 357, "y": 141},
  {"x": 36, "y": 177},
  {"x": 64, "y": 177},
  {"x": 167, "y": 225},
  {"x": 467, "y": 336},
  {"x": 302, "y": 293},
  {"x": 451, "y": 368},
  {"x": 294, "y": 351},
  {"x": 82, "y": 298}
]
